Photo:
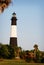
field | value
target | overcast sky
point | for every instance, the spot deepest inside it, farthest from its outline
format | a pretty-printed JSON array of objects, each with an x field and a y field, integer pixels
[{"x": 30, "y": 23}]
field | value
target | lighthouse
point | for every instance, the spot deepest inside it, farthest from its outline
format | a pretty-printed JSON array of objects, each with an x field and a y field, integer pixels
[{"x": 13, "y": 35}]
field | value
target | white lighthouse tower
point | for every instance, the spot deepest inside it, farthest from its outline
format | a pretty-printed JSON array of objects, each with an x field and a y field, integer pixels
[{"x": 13, "y": 37}]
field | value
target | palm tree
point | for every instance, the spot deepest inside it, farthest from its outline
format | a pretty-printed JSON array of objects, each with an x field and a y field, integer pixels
[
  {"x": 35, "y": 47},
  {"x": 36, "y": 53},
  {"x": 4, "y": 4},
  {"x": 17, "y": 52}
]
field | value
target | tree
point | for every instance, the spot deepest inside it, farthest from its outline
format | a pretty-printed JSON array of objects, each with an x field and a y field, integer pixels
[
  {"x": 42, "y": 60},
  {"x": 11, "y": 51},
  {"x": 23, "y": 54},
  {"x": 4, "y": 4},
  {"x": 36, "y": 53},
  {"x": 4, "y": 53},
  {"x": 35, "y": 47},
  {"x": 17, "y": 52}
]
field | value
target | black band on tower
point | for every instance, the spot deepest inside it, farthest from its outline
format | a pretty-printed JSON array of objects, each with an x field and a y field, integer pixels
[
  {"x": 13, "y": 41},
  {"x": 14, "y": 21}
]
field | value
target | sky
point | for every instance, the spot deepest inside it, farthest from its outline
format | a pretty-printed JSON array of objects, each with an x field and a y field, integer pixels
[{"x": 30, "y": 23}]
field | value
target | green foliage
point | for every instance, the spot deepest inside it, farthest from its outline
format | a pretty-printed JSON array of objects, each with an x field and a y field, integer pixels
[
  {"x": 4, "y": 51},
  {"x": 22, "y": 54},
  {"x": 9, "y": 52}
]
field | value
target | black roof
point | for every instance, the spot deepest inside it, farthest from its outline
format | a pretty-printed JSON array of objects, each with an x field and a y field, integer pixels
[{"x": 14, "y": 13}]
